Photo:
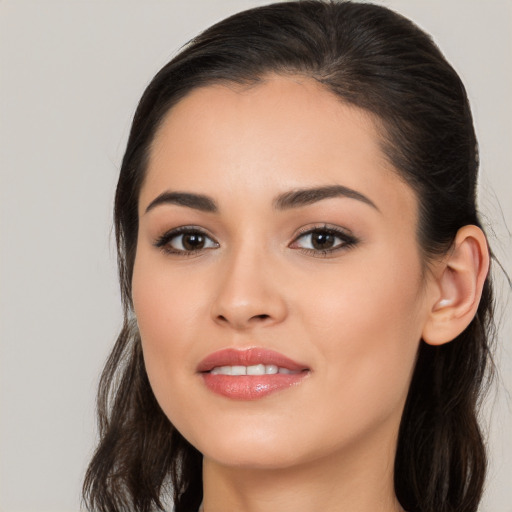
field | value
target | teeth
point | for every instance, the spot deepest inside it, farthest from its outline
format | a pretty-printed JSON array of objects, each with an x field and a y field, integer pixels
[
  {"x": 221, "y": 370},
  {"x": 257, "y": 369},
  {"x": 271, "y": 369},
  {"x": 238, "y": 370}
]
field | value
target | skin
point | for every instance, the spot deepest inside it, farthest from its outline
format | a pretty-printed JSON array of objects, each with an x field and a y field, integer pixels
[{"x": 355, "y": 316}]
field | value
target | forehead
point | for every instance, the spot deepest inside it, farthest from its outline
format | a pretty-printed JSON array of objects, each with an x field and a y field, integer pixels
[
  {"x": 284, "y": 132},
  {"x": 277, "y": 113}
]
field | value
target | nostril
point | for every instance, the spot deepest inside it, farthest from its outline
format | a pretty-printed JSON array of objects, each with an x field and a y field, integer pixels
[
  {"x": 261, "y": 317},
  {"x": 241, "y": 321}
]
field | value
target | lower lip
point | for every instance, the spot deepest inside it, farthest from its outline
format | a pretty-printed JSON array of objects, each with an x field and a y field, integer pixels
[{"x": 251, "y": 387}]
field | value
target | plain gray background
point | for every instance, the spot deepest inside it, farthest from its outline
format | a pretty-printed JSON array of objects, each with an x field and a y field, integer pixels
[{"x": 71, "y": 73}]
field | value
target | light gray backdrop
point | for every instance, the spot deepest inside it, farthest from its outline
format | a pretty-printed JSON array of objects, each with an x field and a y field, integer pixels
[{"x": 71, "y": 73}]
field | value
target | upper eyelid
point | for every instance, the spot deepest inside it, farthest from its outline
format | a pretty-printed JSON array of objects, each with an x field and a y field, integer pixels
[
  {"x": 181, "y": 230},
  {"x": 187, "y": 228},
  {"x": 324, "y": 227},
  {"x": 343, "y": 234},
  {"x": 301, "y": 231},
  {"x": 339, "y": 231},
  {"x": 347, "y": 241}
]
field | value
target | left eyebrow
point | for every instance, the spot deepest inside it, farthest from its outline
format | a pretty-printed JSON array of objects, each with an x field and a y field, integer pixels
[{"x": 306, "y": 196}]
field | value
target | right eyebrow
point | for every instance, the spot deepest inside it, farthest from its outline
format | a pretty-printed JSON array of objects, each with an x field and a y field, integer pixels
[{"x": 188, "y": 199}]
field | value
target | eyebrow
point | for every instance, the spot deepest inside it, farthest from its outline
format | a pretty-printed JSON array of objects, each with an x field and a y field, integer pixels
[
  {"x": 305, "y": 196},
  {"x": 288, "y": 200},
  {"x": 196, "y": 201}
]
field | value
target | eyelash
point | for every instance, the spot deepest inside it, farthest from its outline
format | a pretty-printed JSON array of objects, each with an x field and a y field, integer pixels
[
  {"x": 346, "y": 240},
  {"x": 163, "y": 242}
]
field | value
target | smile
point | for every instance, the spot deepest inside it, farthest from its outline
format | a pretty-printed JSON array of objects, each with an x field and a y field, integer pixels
[
  {"x": 250, "y": 374},
  {"x": 257, "y": 369}
]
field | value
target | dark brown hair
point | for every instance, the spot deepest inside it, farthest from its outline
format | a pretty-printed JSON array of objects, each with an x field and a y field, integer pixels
[{"x": 379, "y": 61}]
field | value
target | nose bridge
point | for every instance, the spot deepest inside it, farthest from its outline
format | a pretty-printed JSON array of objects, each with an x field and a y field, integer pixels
[{"x": 247, "y": 293}]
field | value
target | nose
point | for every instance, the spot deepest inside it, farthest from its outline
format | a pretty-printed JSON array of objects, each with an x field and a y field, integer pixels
[{"x": 248, "y": 294}]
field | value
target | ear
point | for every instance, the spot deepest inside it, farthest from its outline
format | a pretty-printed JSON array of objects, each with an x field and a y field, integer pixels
[{"x": 458, "y": 282}]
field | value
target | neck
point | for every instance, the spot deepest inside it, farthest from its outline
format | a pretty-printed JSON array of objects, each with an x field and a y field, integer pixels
[{"x": 348, "y": 481}]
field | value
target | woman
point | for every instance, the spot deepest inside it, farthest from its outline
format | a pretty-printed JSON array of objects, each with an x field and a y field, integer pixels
[{"x": 304, "y": 275}]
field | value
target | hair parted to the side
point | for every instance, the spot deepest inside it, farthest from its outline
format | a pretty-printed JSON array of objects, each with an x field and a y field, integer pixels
[{"x": 377, "y": 60}]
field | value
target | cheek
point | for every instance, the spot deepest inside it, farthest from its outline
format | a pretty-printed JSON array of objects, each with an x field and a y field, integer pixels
[
  {"x": 167, "y": 309},
  {"x": 165, "y": 301},
  {"x": 368, "y": 327}
]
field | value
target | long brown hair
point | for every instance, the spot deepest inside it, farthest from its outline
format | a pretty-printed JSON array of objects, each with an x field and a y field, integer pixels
[{"x": 379, "y": 61}]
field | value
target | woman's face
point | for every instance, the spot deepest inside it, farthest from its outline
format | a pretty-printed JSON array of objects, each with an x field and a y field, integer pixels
[{"x": 280, "y": 227}]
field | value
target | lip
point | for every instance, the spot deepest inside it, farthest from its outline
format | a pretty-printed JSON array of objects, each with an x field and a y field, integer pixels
[
  {"x": 248, "y": 357},
  {"x": 250, "y": 387}
]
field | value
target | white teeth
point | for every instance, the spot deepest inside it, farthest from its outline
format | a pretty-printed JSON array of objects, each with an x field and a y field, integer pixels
[
  {"x": 221, "y": 370},
  {"x": 271, "y": 369},
  {"x": 239, "y": 370},
  {"x": 257, "y": 369}
]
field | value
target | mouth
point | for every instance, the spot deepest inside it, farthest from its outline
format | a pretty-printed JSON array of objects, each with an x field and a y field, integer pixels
[
  {"x": 256, "y": 369},
  {"x": 250, "y": 374}
]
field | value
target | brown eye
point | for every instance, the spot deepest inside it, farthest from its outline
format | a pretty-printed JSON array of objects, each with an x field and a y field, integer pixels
[
  {"x": 192, "y": 241},
  {"x": 185, "y": 240},
  {"x": 323, "y": 241}
]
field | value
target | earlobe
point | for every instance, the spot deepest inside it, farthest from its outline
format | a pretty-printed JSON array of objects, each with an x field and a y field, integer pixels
[{"x": 459, "y": 280}]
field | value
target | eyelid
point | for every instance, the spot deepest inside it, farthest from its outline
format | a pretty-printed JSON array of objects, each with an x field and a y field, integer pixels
[
  {"x": 346, "y": 236},
  {"x": 163, "y": 242},
  {"x": 324, "y": 227}
]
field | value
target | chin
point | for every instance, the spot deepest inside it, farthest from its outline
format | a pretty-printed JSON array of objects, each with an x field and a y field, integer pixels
[
  {"x": 251, "y": 449},
  {"x": 253, "y": 459}
]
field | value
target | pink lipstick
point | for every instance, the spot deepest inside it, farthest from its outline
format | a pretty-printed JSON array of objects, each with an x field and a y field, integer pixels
[{"x": 250, "y": 374}]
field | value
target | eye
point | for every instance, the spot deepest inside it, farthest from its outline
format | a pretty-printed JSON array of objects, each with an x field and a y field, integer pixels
[
  {"x": 323, "y": 241},
  {"x": 185, "y": 240}
]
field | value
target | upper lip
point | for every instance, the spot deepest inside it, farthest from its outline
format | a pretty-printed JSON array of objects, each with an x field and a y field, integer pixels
[{"x": 248, "y": 357}]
